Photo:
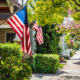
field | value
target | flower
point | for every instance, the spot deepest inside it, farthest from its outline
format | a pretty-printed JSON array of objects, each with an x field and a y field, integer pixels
[{"x": 71, "y": 40}]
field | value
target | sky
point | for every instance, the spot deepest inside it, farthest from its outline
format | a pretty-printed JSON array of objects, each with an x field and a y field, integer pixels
[{"x": 20, "y": 1}]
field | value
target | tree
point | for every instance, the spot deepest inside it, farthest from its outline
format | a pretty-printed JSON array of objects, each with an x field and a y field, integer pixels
[{"x": 52, "y": 11}]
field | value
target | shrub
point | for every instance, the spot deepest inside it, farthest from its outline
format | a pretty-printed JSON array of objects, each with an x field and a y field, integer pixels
[
  {"x": 61, "y": 66},
  {"x": 11, "y": 67},
  {"x": 46, "y": 63},
  {"x": 51, "y": 40},
  {"x": 10, "y": 49},
  {"x": 72, "y": 53}
]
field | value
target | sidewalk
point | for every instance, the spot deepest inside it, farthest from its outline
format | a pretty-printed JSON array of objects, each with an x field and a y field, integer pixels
[{"x": 71, "y": 71}]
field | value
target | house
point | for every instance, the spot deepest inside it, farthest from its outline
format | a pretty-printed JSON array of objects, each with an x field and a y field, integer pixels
[{"x": 7, "y": 7}]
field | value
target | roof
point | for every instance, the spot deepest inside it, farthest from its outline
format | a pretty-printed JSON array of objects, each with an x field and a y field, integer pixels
[{"x": 4, "y": 16}]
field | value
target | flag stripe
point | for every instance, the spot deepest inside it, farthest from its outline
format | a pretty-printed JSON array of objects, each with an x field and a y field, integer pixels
[
  {"x": 21, "y": 28},
  {"x": 11, "y": 24},
  {"x": 28, "y": 41},
  {"x": 39, "y": 35},
  {"x": 38, "y": 39},
  {"x": 15, "y": 27},
  {"x": 18, "y": 20},
  {"x": 13, "y": 21},
  {"x": 19, "y": 23},
  {"x": 35, "y": 26}
]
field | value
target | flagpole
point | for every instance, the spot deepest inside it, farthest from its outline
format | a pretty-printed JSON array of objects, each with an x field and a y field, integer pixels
[
  {"x": 24, "y": 34},
  {"x": 23, "y": 31},
  {"x": 22, "y": 2}
]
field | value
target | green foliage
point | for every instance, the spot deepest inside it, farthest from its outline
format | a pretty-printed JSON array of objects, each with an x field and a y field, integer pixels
[
  {"x": 51, "y": 40},
  {"x": 60, "y": 66},
  {"x": 76, "y": 16},
  {"x": 46, "y": 63},
  {"x": 78, "y": 45},
  {"x": 71, "y": 53},
  {"x": 48, "y": 11},
  {"x": 11, "y": 67},
  {"x": 75, "y": 4},
  {"x": 9, "y": 49},
  {"x": 52, "y": 11}
]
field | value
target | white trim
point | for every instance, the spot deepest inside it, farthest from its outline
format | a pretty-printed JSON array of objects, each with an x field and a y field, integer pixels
[{"x": 5, "y": 26}]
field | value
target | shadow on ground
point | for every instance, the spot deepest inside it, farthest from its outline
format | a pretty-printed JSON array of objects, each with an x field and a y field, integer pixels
[
  {"x": 42, "y": 75},
  {"x": 67, "y": 77},
  {"x": 78, "y": 63},
  {"x": 59, "y": 72},
  {"x": 75, "y": 59}
]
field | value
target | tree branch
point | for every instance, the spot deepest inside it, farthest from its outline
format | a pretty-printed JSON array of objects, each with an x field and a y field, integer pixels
[
  {"x": 76, "y": 3},
  {"x": 58, "y": 3},
  {"x": 77, "y": 9}
]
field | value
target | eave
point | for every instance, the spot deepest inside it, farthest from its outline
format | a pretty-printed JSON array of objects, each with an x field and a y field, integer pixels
[{"x": 10, "y": 5}]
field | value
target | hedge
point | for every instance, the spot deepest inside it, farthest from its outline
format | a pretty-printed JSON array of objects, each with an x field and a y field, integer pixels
[
  {"x": 51, "y": 40},
  {"x": 11, "y": 67},
  {"x": 9, "y": 49},
  {"x": 45, "y": 63}
]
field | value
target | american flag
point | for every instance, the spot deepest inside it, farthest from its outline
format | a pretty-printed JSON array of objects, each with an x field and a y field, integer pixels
[
  {"x": 39, "y": 35},
  {"x": 35, "y": 26},
  {"x": 19, "y": 23}
]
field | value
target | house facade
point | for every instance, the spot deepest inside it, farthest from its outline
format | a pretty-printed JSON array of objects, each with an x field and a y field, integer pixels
[
  {"x": 7, "y": 7},
  {"x": 7, "y": 34}
]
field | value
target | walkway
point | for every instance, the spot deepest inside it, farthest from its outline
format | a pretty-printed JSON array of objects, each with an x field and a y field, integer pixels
[{"x": 71, "y": 71}]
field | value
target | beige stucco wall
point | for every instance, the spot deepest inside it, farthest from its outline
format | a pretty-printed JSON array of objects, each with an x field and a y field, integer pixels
[{"x": 3, "y": 34}]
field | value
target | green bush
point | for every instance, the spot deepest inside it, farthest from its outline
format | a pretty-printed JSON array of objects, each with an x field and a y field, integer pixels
[
  {"x": 46, "y": 63},
  {"x": 10, "y": 49},
  {"x": 11, "y": 67},
  {"x": 61, "y": 66},
  {"x": 72, "y": 53},
  {"x": 51, "y": 40}
]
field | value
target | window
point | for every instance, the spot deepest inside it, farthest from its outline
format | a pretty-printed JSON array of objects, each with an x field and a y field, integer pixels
[{"x": 10, "y": 37}]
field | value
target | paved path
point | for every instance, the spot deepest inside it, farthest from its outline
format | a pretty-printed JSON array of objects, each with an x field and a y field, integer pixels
[{"x": 71, "y": 71}]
